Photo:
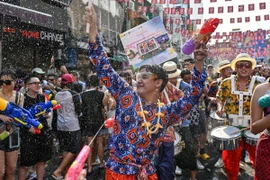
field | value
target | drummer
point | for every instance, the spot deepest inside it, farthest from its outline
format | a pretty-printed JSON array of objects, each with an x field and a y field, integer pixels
[{"x": 233, "y": 98}]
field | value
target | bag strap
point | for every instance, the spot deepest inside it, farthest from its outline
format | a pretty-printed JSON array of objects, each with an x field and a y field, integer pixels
[{"x": 17, "y": 98}]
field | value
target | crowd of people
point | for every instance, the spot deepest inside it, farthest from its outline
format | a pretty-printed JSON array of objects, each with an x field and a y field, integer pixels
[{"x": 161, "y": 116}]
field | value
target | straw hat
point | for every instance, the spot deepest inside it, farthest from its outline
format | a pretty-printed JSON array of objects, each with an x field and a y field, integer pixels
[
  {"x": 223, "y": 64},
  {"x": 171, "y": 69},
  {"x": 243, "y": 57}
]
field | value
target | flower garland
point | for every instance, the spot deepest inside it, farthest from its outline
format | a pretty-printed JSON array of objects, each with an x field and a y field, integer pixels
[{"x": 151, "y": 129}]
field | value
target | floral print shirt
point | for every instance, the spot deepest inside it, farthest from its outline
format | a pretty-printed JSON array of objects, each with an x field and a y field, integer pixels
[
  {"x": 130, "y": 145},
  {"x": 231, "y": 100}
]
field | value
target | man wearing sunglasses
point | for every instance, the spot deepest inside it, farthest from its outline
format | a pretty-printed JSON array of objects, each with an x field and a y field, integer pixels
[
  {"x": 141, "y": 119},
  {"x": 233, "y": 99}
]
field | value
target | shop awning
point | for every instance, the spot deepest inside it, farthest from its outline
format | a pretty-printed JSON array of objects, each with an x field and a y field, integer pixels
[{"x": 119, "y": 58}]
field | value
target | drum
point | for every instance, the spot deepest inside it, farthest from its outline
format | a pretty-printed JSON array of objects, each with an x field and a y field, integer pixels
[
  {"x": 177, "y": 144},
  {"x": 225, "y": 138},
  {"x": 216, "y": 121},
  {"x": 251, "y": 138}
]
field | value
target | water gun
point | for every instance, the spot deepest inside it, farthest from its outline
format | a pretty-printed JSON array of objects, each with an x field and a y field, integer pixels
[
  {"x": 48, "y": 95},
  {"x": 201, "y": 36},
  {"x": 41, "y": 108},
  {"x": 264, "y": 101},
  {"x": 78, "y": 164},
  {"x": 21, "y": 116}
]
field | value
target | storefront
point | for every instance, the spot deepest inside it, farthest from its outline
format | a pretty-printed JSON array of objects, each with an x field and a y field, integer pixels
[{"x": 30, "y": 37}]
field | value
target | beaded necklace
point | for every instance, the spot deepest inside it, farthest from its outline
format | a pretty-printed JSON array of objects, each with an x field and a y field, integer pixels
[{"x": 151, "y": 129}]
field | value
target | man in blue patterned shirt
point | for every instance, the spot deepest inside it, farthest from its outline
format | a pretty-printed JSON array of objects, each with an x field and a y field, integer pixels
[{"x": 140, "y": 119}]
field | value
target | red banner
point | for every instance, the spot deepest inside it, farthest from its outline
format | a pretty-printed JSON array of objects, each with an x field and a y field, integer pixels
[
  {"x": 167, "y": 10},
  {"x": 177, "y": 21},
  {"x": 262, "y": 5},
  {"x": 239, "y": 20},
  {"x": 162, "y": 1},
  {"x": 173, "y": 10},
  {"x": 220, "y": 9},
  {"x": 230, "y": 9},
  {"x": 190, "y": 11},
  {"x": 200, "y": 10},
  {"x": 251, "y": 7},
  {"x": 211, "y": 10},
  {"x": 241, "y": 8}
]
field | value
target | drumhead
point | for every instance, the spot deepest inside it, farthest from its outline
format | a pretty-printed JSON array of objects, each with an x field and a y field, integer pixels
[
  {"x": 178, "y": 139},
  {"x": 249, "y": 134},
  {"x": 225, "y": 132}
]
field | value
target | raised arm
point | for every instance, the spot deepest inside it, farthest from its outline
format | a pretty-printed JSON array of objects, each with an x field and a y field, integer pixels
[
  {"x": 99, "y": 58},
  {"x": 182, "y": 106}
]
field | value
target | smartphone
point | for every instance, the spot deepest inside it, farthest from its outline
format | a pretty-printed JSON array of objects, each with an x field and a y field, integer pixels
[{"x": 14, "y": 139}]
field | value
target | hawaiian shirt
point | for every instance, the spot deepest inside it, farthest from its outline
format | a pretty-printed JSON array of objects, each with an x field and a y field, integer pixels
[
  {"x": 130, "y": 146},
  {"x": 231, "y": 100},
  {"x": 213, "y": 88}
]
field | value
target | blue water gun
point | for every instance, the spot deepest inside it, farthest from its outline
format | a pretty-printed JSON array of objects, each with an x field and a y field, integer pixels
[
  {"x": 41, "y": 108},
  {"x": 21, "y": 116}
]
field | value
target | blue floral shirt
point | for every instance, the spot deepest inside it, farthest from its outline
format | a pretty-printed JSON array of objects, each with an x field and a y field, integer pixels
[{"x": 130, "y": 145}]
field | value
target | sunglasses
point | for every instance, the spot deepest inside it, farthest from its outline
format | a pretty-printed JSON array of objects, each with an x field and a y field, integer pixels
[
  {"x": 6, "y": 82},
  {"x": 244, "y": 64},
  {"x": 145, "y": 75},
  {"x": 35, "y": 83}
]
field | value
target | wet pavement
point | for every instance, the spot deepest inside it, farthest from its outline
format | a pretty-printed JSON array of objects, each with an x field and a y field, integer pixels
[{"x": 209, "y": 173}]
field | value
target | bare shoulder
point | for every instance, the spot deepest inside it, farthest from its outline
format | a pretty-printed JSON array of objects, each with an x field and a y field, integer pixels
[{"x": 261, "y": 89}]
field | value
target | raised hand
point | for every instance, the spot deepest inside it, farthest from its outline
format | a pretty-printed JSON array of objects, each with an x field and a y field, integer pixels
[{"x": 90, "y": 17}]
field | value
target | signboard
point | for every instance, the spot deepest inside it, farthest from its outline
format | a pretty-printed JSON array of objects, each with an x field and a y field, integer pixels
[
  {"x": 43, "y": 35},
  {"x": 148, "y": 43}
]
